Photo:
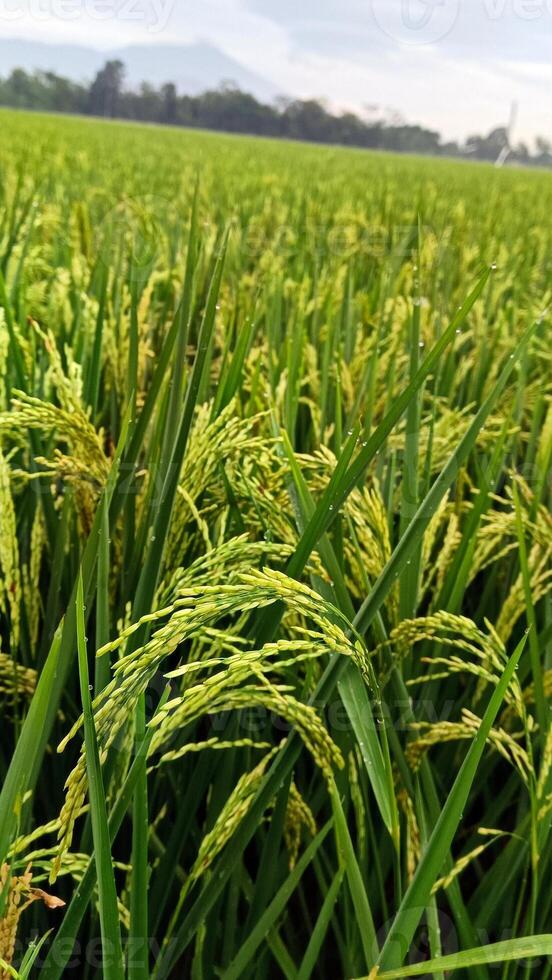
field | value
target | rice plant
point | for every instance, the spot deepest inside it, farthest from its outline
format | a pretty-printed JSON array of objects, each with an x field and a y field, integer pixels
[{"x": 275, "y": 560}]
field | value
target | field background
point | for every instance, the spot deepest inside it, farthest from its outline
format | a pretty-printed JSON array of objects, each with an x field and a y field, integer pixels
[{"x": 281, "y": 413}]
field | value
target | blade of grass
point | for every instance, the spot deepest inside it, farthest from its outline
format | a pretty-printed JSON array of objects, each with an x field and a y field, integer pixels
[
  {"x": 92, "y": 387},
  {"x": 102, "y": 671},
  {"x": 228, "y": 388},
  {"x": 150, "y": 571},
  {"x": 352, "y": 687},
  {"x": 347, "y": 859},
  {"x": 107, "y": 892},
  {"x": 31, "y": 956},
  {"x": 275, "y": 909},
  {"x": 63, "y": 943},
  {"x": 408, "y": 597},
  {"x": 542, "y": 708},
  {"x": 18, "y": 777},
  {"x": 508, "y": 950},
  {"x": 312, "y": 952},
  {"x": 138, "y": 966},
  {"x": 417, "y": 896},
  {"x": 183, "y": 315}
]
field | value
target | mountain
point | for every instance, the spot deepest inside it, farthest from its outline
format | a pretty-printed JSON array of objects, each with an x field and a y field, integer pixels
[{"x": 192, "y": 67}]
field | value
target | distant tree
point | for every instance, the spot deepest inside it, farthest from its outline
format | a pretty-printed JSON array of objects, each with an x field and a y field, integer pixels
[
  {"x": 521, "y": 153},
  {"x": 24, "y": 89},
  {"x": 228, "y": 108},
  {"x": 488, "y": 147},
  {"x": 169, "y": 99},
  {"x": 544, "y": 146},
  {"x": 149, "y": 104},
  {"x": 64, "y": 95},
  {"x": 353, "y": 132},
  {"x": 543, "y": 156},
  {"x": 450, "y": 149},
  {"x": 106, "y": 89},
  {"x": 234, "y": 111},
  {"x": 42, "y": 90},
  {"x": 309, "y": 121}
]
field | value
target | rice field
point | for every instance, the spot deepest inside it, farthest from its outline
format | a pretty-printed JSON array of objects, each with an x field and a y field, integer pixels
[{"x": 275, "y": 560}]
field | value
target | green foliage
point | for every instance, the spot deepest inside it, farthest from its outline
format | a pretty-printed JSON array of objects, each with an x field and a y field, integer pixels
[
  {"x": 230, "y": 110},
  {"x": 275, "y": 446}
]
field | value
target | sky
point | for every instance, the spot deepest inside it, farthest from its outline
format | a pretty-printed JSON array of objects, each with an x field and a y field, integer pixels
[{"x": 453, "y": 65}]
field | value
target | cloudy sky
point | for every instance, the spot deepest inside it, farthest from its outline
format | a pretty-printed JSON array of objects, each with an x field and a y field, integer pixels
[{"x": 456, "y": 65}]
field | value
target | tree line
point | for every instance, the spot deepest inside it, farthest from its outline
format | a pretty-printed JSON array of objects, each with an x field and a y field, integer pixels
[{"x": 229, "y": 109}]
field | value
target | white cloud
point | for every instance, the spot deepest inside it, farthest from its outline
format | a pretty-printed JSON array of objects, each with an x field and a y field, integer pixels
[{"x": 494, "y": 51}]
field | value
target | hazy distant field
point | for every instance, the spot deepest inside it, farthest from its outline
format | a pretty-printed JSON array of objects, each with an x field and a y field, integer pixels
[{"x": 276, "y": 437}]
